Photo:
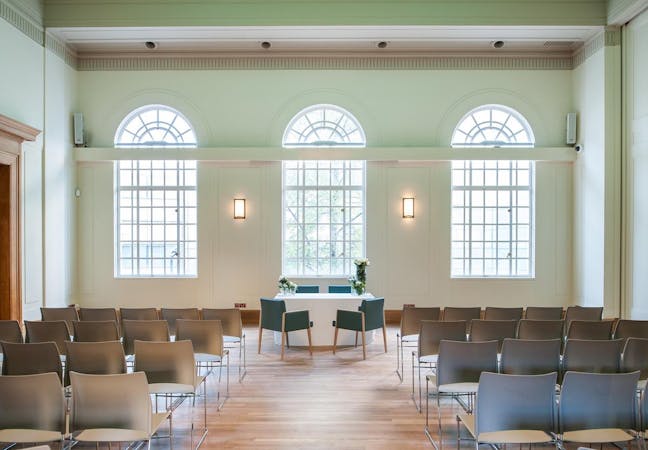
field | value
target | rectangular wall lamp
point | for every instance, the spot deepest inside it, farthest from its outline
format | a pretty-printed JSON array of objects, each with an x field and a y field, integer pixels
[
  {"x": 408, "y": 207},
  {"x": 239, "y": 208}
]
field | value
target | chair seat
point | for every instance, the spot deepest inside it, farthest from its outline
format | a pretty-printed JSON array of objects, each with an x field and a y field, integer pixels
[
  {"x": 452, "y": 388},
  {"x": 175, "y": 388},
  {"x": 111, "y": 435},
  {"x": 231, "y": 339},
  {"x": 430, "y": 359},
  {"x": 505, "y": 436},
  {"x": 597, "y": 436},
  {"x": 410, "y": 338},
  {"x": 24, "y": 436},
  {"x": 207, "y": 358}
]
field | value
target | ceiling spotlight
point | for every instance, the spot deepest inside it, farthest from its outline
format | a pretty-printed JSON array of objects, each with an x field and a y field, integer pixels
[
  {"x": 266, "y": 44},
  {"x": 150, "y": 45},
  {"x": 381, "y": 44},
  {"x": 497, "y": 44}
]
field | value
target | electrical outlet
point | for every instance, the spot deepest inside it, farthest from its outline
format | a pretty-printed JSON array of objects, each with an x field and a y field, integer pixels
[
  {"x": 240, "y": 305},
  {"x": 409, "y": 305}
]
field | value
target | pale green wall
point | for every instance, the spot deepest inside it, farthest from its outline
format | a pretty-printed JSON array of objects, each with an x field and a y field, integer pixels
[
  {"x": 241, "y": 261},
  {"x": 38, "y": 89}
]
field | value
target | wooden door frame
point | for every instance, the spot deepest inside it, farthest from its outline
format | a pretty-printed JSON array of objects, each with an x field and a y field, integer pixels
[{"x": 12, "y": 136}]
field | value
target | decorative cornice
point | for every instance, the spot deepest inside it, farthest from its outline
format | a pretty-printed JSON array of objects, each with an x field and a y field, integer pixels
[
  {"x": 140, "y": 63},
  {"x": 590, "y": 48},
  {"x": 21, "y": 21},
  {"x": 18, "y": 129},
  {"x": 60, "y": 49}
]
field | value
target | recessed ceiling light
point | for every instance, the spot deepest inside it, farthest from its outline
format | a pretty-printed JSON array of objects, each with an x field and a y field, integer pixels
[
  {"x": 266, "y": 44},
  {"x": 497, "y": 44},
  {"x": 150, "y": 45},
  {"x": 381, "y": 44}
]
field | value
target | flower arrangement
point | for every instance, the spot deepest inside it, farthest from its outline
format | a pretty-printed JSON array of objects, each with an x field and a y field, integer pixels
[
  {"x": 359, "y": 281},
  {"x": 286, "y": 286}
]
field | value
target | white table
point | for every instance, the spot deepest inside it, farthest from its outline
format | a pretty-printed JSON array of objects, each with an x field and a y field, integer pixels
[{"x": 322, "y": 311}]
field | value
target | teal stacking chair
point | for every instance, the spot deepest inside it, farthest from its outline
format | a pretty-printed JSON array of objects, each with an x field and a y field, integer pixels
[
  {"x": 370, "y": 316},
  {"x": 275, "y": 317},
  {"x": 307, "y": 289},
  {"x": 339, "y": 289}
]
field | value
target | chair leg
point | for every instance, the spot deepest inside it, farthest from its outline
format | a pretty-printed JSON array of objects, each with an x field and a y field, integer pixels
[
  {"x": 335, "y": 339},
  {"x": 364, "y": 346},
  {"x": 385, "y": 338},
  {"x": 283, "y": 343},
  {"x": 287, "y": 340},
  {"x": 260, "y": 332},
  {"x": 356, "y": 340},
  {"x": 310, "y": 346}
]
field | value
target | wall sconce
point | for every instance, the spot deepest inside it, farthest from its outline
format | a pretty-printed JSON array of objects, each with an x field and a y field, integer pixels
[
  {"x": 408, "y": 207},
  {"x": 239, "y": 208}
]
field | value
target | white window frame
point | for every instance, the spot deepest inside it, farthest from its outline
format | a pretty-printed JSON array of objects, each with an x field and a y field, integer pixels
[
  {"x": 174, "y": 214},
  {"x": 324, "y": 125},
  {"x": 488, "y": 236}
]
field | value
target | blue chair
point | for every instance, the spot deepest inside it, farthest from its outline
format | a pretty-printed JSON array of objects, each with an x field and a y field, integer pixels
[
  {"x": 339, "y": 289},
  {"x": 307, "y": 289},
  {"x": 369, "y": 316},
  {"x": 275, "y": 317}
]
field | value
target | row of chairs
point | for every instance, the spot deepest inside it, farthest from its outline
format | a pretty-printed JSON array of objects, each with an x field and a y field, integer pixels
[
  {"x": 168, "y": 369},
  {"x": 460, "y": 364},
  {"x": 525, "y": 409},
  {"x": 598, "y": 354},
  {"x": 411, "y": 317},
  {"x": 234, "y": 335}
]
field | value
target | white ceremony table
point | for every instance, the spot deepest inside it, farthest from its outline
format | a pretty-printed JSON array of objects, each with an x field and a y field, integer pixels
[{"x": 322, "y": 311}]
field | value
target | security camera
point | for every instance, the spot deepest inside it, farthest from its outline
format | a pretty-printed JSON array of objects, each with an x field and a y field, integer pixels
[{"x": 578, "y": 147}]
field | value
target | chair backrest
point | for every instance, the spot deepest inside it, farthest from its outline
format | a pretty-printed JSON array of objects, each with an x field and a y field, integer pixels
[
  {"x": 339, "y": 289},
  {"x": 144, "y": 330},
  {"x": 582, "y": 313},
  {"x": 99, "y": 358},
  {"x": 492, "y": 330},
  {"x": 595, "y": 400},
  {"x": 432, "y": 332},
  {"x": 32, "y": 402},
  {"x": 205, "y": 335},
  {"x": 530, "y": 357},
  {"x": 138, "y": 314},
  {"x": 374, "y": 311},
  {"x": 271, "y": 312},
  {"x": 98, "y": 314},
  {"x": 173, "y": 314},
  {"x": 543, "y": 313},
  {"x": 595, "y": 356},
  {"x": 411, "y": 319},
  {"x": 307, "y": 289},
  {"x": 590, "y": 329},
  {"x": 110, "y": 401},
  {"x": 166, "y": 362},
  {"x": 631, "y": 328},
  {"x": 460, "y": 313},
  {"x": 515, "y": 402},
  {"x": 10, "y": 331},
  {"x": 540, "y": 329},
  {"x": 30, "y": 359},
  {"x": 635, "y": 357},
  {"x": 96, "y": 331},
  {"x": 47, "y": 331},
  {"x": 69, "y": 314},
  {"x": 463, "y": 362},
  {"x": 230, "y": 319},
  {"x": 493, "y": 313}
]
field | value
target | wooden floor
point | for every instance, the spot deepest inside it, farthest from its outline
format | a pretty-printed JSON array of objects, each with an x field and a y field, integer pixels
[{"x": 324, "y": 402}]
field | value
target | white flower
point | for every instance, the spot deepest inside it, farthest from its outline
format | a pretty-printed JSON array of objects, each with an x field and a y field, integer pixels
[{"x": 362, "y": 262}]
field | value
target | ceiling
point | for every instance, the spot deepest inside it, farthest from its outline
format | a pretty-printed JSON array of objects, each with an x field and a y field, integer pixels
[{"x": 410, "y": 39}]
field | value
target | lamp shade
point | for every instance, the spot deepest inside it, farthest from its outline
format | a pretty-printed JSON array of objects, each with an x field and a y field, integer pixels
[
  {"x": 239, "y": 208},
  {"x": 408, "y": 207}
]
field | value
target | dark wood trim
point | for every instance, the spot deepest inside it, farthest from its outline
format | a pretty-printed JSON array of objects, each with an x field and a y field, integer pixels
[
  {"x": 393, "y": 316},
  {"x": 12, "y": 135}
]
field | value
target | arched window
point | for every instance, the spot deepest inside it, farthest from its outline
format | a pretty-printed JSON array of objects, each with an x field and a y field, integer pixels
[
  {"x": 324, "y": 126},
  {"x": 492, "y": 224},
  {"x": 156, "y": 214},
  {"x": 323, "y": 201},
  {"x": 493, "y": 126}
]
